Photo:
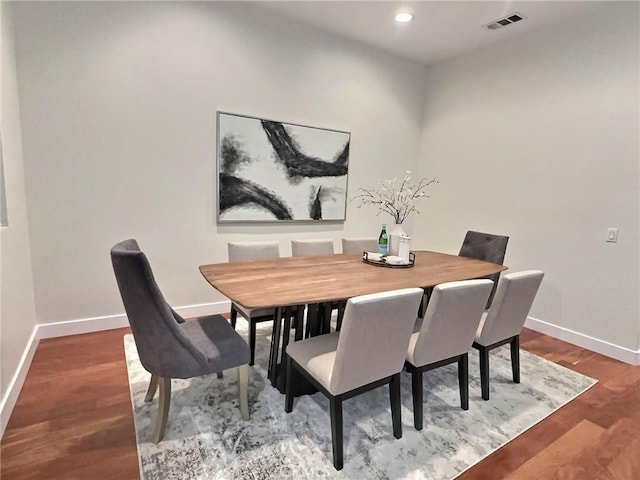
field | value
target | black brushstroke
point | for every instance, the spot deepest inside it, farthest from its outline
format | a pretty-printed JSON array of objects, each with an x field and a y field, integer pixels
[
  {"x": 235, "y": 192},
  {"x": 315, "y": 212},
  {"x": 297, "y": 163},
  {"x": 232, "y": 155}
]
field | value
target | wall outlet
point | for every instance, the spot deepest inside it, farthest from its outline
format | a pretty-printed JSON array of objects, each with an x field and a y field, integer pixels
[{"x": 612, "y": 235}]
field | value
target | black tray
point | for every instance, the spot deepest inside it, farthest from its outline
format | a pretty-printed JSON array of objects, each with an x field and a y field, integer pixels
[{"x": 383, "y": 263}]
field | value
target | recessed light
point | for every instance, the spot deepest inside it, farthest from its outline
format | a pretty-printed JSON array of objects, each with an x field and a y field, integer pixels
[{"x": 403, "y": 17}]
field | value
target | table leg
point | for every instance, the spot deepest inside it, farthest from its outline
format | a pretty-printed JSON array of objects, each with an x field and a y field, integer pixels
[
  {"x": 313, "y": 328},
  {"x": 281, "y": 373},
  {"x": 299, "y": 323},
  {"x": 275, "y": 345}
]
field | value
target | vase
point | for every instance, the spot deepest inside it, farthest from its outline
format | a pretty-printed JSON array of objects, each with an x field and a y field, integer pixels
[{"x": 394, "y": 238}]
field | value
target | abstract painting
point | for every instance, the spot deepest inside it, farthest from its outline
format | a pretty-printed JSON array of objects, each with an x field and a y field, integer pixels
[{"x": 271, "y": 171}]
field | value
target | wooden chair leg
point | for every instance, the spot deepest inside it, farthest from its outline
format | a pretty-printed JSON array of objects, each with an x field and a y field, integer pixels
[
  {"x": 163, "y": 408},
  {"x": 515, "y": 358},
  {"x": 396, "y": 407},
  {"x": 153, "y": 387},
  {"x": 233, "y": 316},
  {"x": 484, "y": 371},
  {"x": 243, "y": 382},
  {"x": 463, "y": 380},
  {"x": 416, "y": 390},
  {"x": 252, "y": 341},
  {"x": 335, "y": 409},
  {"x": 288, "y": 388}
]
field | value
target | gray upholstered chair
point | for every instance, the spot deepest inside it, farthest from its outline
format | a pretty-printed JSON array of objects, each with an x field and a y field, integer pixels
[
  {"x": 359, "y": 245},
  {"x": 305, "y": 248},
  {"x": 445, "y": 336},
  {"x": 367, "y": 353},
  {"x": 168, "y": 346},
  {"x": 504, "y": 321},
  {"x": 244, "y": 251},
  {"x": 487, "y": 247}
]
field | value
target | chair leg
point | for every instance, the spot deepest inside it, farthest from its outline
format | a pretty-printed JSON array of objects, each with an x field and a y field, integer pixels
[
  {"x": 463, "y": 380},
  {"x": 234, "y": 316},
  {"x": 153, "y": 387},
  {"x": 515, "y": 358},
  {"x": 252, "y": 341},
  {"x": 416, "y": 390},
  {"x": 396, "y": 407},
  {"x": 163, "y": 408},
  {"x": 484, "y": 371},
  {"x": 243, "y": 381},
  {"x": 288, "y": 388},
  {"x": 421, "y": 307},
  {"x": 341, "y": 308},
  {"x": 335, "y": 409}
]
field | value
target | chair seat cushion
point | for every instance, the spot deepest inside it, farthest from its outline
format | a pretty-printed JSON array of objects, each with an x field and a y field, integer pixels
[
  {"x": 317, "y": 356},
  {"x": 218, "y": 341},
  {"x": 254, "y": 312}
]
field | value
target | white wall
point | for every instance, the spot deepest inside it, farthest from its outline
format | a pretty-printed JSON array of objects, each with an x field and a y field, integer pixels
[
  {"x": 17, "y": 313},
  {"x": 538, "y": 139},
  {"x": 118, "y": 106}
]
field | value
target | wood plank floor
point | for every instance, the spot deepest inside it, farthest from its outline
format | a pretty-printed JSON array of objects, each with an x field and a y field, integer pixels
[{"x": 73, "y": 419}]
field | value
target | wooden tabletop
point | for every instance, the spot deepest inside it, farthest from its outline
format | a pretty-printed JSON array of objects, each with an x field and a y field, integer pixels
[{"x": 304, "y": 280}]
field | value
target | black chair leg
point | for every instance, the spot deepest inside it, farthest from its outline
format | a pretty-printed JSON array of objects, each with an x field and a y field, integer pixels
[
  {"x": 484, "y": 372},
  {"x": 416, "y": 390},
  {"x": 341, "y": 308},
  {"x": 335, "y": 408},
  {"x": 396, "y": 407},
  {"x": 252, "y": 341},
  {"x": 288, "y": 395},
  {"x": 515, "y": 358},
  {"x": 234, "y": 316},
  {"x": 463, "y": 380}
]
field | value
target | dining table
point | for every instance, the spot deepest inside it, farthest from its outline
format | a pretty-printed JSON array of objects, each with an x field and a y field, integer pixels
[{"x": 291, "y": 285}]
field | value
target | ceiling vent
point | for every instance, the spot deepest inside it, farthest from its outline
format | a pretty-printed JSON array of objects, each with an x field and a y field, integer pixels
[{"x": 504, "y": 21}]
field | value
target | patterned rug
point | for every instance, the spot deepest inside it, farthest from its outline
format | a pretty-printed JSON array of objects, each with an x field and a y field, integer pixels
[{"x": 207, "y": 439}]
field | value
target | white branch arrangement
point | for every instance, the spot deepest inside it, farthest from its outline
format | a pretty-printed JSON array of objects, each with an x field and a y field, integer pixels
[{"x": 394, "y": 196}]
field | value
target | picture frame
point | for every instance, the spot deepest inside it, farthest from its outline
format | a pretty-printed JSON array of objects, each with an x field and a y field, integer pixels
[{"x": 273, "y": 171}]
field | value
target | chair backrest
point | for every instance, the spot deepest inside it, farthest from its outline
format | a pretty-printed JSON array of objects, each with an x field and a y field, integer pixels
[
  {"x": 359, "y": 245},
  {"x": 488, "y": 247},
  {"x": 163, "y": 348},
  {"x": 304, "y": 248},
  {"x": 511, "y": 305},
  {"x": 374, "y": 337},
  {"x": 241, "y": 251},
  {"x": 451, "y": 320}
]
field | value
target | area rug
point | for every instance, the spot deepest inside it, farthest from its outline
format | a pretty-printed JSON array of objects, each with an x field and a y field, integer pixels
[{"x": 207, "y": 439}]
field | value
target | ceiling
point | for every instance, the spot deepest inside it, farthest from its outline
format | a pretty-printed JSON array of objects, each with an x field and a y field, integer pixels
[{"x": 440, "y": 29}]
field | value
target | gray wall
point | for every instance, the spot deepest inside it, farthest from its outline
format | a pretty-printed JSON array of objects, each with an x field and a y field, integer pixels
[
  {"x": 539, "y": 139},
  {"x": 119, "y": 106},
  {"x": 17, "y": 313}
]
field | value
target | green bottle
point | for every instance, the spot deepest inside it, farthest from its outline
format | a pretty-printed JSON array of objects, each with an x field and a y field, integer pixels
[{"x": 383, "y": 241}]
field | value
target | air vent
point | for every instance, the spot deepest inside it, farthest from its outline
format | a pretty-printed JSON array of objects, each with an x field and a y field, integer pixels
[{"x": 503, "y": 22}]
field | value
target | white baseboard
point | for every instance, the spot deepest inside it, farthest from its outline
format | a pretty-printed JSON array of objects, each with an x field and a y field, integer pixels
[
  {"x": 76, "y": 327},
  {"x": 96, "y": 324},
  {"x": 585, "y": 341},
  {"x": 13, "y": 389}
]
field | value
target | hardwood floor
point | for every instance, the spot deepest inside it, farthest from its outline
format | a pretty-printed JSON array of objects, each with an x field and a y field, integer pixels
[{"x": 73, "y": 419}]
